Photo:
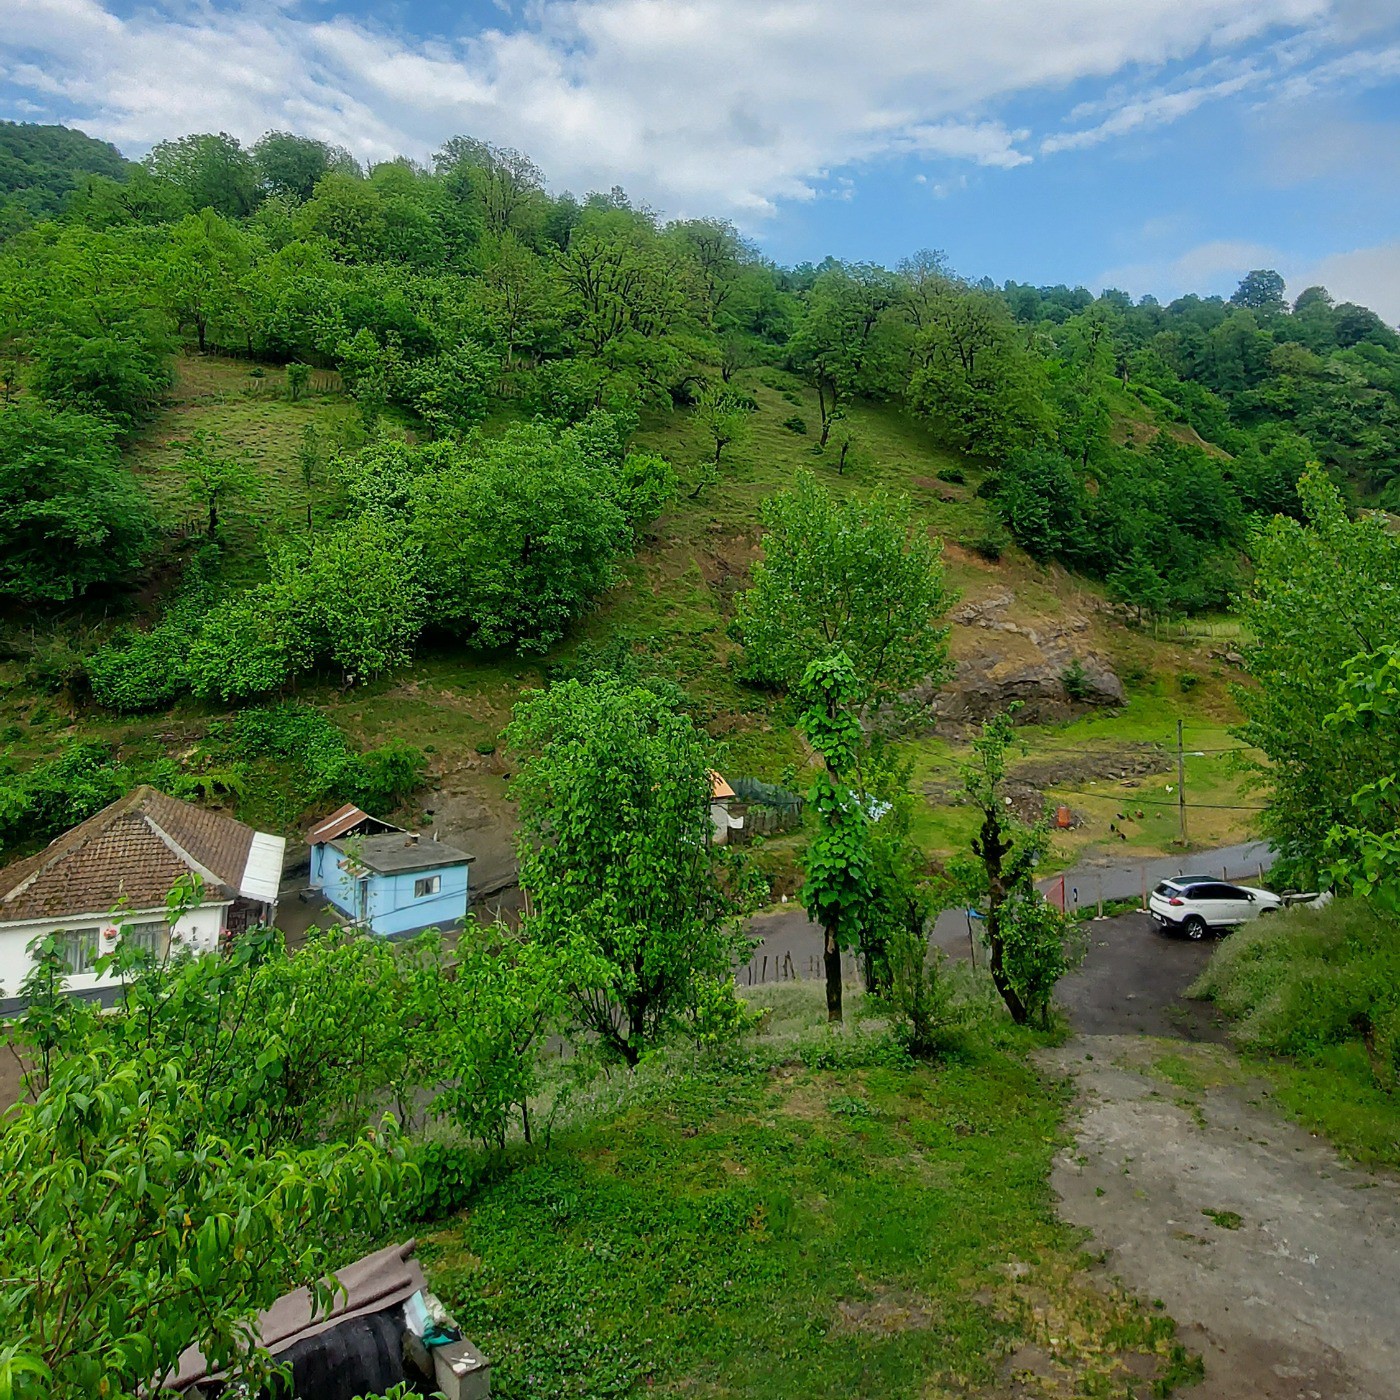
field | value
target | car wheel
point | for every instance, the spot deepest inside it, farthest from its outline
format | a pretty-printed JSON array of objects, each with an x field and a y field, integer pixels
[{"x": 1194, "y": 927}]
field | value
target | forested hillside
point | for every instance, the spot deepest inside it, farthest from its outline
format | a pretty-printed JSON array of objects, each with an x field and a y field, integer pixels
[{"x": 273, "y": 422}]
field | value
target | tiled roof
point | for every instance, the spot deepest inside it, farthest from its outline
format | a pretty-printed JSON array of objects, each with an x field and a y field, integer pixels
[{"x": 131, "y": 851}]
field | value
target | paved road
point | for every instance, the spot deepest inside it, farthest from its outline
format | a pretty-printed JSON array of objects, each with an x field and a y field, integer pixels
[{"x": 791, "y": 945}]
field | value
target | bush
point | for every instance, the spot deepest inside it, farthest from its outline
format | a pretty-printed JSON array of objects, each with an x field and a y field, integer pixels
[
  {"x": 60, "y": 792},
  {"x": 148, "y": 670},
  {"x": 1075, "y": 681},
  {"x": 1188, "y": 681},
  {"x": 323, "y": 763},
  {"x": 71, "y": 516},
  {"x": 991, "y": 544},
  {"x": 446, "y": 1175},
  {"x": 954, "y": 476},
  {"x": 921, "y": 1001},
  {"x": 796, "y": 424},
  {"x": 1300, "y": 982}
]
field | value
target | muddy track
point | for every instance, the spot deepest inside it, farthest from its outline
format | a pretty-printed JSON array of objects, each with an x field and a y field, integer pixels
[{"x": 1279, "y": 1261}]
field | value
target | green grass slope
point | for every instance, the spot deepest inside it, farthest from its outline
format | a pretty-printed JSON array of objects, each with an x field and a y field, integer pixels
[
  {"x": 815, "y": 1218},
  {"x": 672, "y": 608}
]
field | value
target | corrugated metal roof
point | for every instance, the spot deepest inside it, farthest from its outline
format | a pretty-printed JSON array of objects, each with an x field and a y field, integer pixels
[
  {"x": 262, "y": 875},
  {"x": 344, "y": 819}
]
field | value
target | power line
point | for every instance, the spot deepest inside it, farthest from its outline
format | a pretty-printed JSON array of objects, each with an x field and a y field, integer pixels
[{"x": 1119, "y": 800}]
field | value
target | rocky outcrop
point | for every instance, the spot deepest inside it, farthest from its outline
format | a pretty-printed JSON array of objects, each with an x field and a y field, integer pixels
[
  {"x": 986, "y": 685},
  {"x": 1051, "y": 669}
]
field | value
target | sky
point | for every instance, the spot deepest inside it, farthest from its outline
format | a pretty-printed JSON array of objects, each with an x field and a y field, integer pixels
[{"x": 1157, "y": 146}]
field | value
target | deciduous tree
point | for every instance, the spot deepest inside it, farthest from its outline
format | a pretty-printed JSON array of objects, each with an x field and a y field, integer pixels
[
  {"x": 70, "y": 516},
  {"x": 616, "y": 855},
  {"x": 852, "y": 575}
]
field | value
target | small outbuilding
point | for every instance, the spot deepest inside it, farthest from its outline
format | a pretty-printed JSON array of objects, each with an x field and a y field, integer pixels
[
  {"x": 106, "y": 881},
  {"x": 385, "y": 879},
  {"x": 723, "y": 817}
]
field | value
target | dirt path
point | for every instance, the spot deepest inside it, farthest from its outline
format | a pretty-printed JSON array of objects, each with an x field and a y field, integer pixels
[{"x": 1280, "y": 1262}]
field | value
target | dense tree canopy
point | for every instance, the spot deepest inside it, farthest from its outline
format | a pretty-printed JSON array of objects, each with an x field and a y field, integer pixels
[
  {"x": 1133, "y": 441},
  {"x": 70, "y": 517}
]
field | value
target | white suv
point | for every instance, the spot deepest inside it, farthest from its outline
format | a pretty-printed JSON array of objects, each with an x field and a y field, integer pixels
[{"x": 1191, "y": 904}]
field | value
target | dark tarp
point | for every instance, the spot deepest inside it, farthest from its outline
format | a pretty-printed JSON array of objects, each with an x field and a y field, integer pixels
[{"x": 375, "y": 1284}]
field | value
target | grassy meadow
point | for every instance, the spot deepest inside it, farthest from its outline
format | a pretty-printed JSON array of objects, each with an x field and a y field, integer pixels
[{"x": 813, "y": 1215}]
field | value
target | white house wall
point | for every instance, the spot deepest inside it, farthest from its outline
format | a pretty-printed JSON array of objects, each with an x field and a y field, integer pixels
[{"x": 197, "y": 929}]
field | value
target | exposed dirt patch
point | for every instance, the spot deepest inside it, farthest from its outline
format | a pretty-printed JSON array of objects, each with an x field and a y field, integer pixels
[
  {"x": 1029, "y": 781},
  {"x": 887, "y": 1310},
  {"x": 1280, "y": 1262}
]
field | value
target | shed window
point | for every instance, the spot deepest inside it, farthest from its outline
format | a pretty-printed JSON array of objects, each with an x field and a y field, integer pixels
[
  {"x": 429, "y": 884},
  {"x": 79, "y": 948}
]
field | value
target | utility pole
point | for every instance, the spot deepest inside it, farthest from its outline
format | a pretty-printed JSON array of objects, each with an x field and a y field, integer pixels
[{"x": 1181, "y": 781}]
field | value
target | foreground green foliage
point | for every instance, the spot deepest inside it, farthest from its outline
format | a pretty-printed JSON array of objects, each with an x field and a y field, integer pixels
[{"x": 171, "y": 1174}]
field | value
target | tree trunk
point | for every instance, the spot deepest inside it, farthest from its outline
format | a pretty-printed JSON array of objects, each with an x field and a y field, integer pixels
[
  {"x": 213, "y": 519},
  {"x": 1019, "y": 1012},
  {"x": 833, "y": 976},
  {"x": 992, "y": 848}
]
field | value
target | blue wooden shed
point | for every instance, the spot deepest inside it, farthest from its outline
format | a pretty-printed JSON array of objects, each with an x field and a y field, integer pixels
[{"x": 385, "y": 879}]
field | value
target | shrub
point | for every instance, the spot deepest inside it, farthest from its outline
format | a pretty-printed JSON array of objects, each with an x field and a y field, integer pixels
[
  {"x": 796, "y": 424},
  {"x": 921, "y": 1002},
  {"x": 447, "y": 1176},
  {"x": 323, "y": 762},
  {"x": 954, "y": 476},
  {"x": 1188, "y": 681},
  {"x": 1300, "y": 982},
  {"x": 991, "y": 544},
  {"x": 1075, "y": 680},
  {"x": 147, "y": 670}
]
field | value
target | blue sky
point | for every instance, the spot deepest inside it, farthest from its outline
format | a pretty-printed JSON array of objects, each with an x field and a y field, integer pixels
[{"x": 1156, "y": 145}]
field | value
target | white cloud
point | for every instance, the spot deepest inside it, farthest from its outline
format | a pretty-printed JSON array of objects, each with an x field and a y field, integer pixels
[
  {"x": 1216, "y": 266},
  {"x": 695, "y": 105},
  {"x": 1150, "y": 110}
]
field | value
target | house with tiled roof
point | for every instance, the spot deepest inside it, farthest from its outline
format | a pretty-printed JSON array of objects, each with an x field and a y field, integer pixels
[{"x": 109, "y": 877}]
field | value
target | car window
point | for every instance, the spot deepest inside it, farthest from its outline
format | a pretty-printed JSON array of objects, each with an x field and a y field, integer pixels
[
  {"x": 1166, "y": 888},
  {"x": 1234, "y": 892},
  {"x": 1202, "y": 892}
]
